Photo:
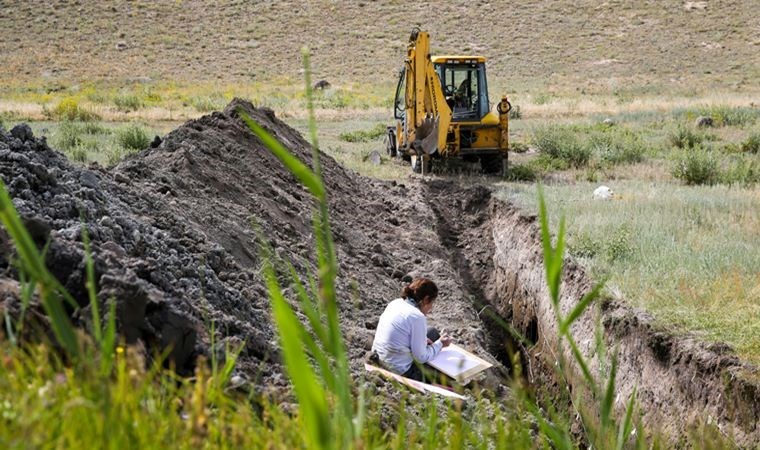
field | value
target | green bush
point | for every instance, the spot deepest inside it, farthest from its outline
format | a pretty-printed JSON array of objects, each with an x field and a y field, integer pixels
[
  {"x": 68, "y": 136},
  {"x": 69, "y": 109},
  {"x": 723, "y": 115},
  {"x": 132, "y": 137},
  {"x": 79, "y": 154},
  {"x": 582, "y": 245},
  {"x": 518, "y": 147},
  {"x": 128, "y": 102},
  {"x": 751, "y": 144},
  {"x": 618, "y": 146},
  {"x": 743, "y": 171},
  {"x": 696, "y": 166},
  {"x": 521, "y": 172},
  {"x": 619, "y": 244},
  {"x": 207, "y": 103},
  {"x": 364, "y": 135},
  {"x": 95, "y": 128},
  {"x": 561, "y": 143},
  {"x": 685, "y": 137}
]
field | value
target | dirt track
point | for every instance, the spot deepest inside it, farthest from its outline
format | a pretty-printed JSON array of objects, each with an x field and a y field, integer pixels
[{"x": 174, "y": 245}]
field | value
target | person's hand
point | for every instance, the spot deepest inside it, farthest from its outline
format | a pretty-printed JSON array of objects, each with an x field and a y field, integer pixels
[
  {"x": 445, "y": 339},
  {"x": 429, "y": 342}
]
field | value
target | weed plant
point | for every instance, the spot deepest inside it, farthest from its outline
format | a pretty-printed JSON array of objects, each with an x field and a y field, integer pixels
[
  {"x": 752, "y": 143},
  {"x": 133, "y": 137},
  {"x": 375, "y": 132},
  {"x": 69, "y": 109},
  {"x": 127, "y": 102},
  {"x": 721, "y": 115},
  {"x": 562, "y": 144},
  {"x": 696, "y": 166},
  {"x": 685, "y": 137}
]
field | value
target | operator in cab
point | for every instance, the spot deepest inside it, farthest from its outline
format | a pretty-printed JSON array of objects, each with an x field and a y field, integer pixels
[{"x": 403, "y": 342}]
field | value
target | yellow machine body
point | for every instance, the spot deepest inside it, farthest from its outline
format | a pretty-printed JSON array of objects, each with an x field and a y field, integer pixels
[{"x": 442, "y": 109}]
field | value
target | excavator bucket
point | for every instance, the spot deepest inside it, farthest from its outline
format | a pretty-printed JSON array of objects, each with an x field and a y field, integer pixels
[{"x": 426, "y": 141}]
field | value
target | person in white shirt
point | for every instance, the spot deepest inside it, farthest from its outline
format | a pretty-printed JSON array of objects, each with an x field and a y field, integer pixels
[{"x": 402, "y": 341}]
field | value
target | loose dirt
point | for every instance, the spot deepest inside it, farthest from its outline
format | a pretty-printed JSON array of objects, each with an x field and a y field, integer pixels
[{"x": 173, "y": 240}]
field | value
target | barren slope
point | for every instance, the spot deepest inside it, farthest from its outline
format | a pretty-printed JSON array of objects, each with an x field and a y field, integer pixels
[{"x": 612, "y": 45}]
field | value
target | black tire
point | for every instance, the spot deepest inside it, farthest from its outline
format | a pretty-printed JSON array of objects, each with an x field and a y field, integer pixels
[
  {"x": 390, "y": 146},
  {"x": 491, "y": 164}
]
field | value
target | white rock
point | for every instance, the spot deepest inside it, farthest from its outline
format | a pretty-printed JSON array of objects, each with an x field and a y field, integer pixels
[{"x": 603, "y": 193}]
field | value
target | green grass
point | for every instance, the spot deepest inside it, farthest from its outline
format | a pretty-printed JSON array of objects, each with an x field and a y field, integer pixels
[
  {"x": 371, "y": 134},
  {"x": 133, "y": 137},
  {"x": 686, "y": 254}
]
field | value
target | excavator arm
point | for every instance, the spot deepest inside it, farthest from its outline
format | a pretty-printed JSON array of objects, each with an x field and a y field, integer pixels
[{"x": 428, "y": 116}]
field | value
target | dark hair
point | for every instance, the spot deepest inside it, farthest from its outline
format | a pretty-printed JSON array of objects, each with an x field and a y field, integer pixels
[{"x": 419, "y": 289}]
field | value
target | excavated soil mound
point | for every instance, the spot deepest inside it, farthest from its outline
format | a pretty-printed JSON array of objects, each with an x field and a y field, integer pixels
[
  {"x": 174, "y": 244},
  {"x": 173, "y": 240}
]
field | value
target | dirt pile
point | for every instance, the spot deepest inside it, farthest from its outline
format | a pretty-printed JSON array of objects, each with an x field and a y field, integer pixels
[{"x": 174, "y": 246}]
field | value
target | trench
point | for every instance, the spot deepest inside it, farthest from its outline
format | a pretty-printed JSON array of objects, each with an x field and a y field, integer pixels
[{"x": 680, "y": 381}]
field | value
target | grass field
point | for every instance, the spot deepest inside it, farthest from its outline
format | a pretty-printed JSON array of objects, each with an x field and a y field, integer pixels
[{"x": 681, "y": 238}]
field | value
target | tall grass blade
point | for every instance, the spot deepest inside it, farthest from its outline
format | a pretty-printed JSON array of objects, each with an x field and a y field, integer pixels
[
  {"x": 51, "y": 292},
  {"x": 609, "y": 394},
  {"x": 580, "y": 307},
  {"x": 90, "y": 269},
  {"x": 296, "y": 167},
  {"x": 311, "y": 396},
  {"x": 627, "y": 425}
]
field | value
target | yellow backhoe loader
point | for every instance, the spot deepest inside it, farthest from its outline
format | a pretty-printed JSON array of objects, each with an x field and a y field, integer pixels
[{"x": 442, "y": 111}]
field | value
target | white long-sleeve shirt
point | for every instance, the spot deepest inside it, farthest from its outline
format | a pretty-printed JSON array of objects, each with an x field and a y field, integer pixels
[{"x": 401, "y": 337}]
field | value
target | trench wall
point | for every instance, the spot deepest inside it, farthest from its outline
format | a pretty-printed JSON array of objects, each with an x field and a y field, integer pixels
[{"x": 679, "y": 380}]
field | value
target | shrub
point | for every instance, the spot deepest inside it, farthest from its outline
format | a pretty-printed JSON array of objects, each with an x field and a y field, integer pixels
[
  {"x": 521, "y": 172},
  {"x": 68, "y": 136},
  {"x": 133, "y": 137},
  {"x": 364, "y": 135},
  {"x": 69, "y": 109},
  {"x": 618, "y": 146},
  {"x": 79, "y": 154},
  {"x": 723, "y": 115},
  {"x": 583, "y": 245},
  {"x": 619, "y": 245},
  {"x": 518, "y": 147},
  {"x": 697, "y": 166},
  {"x": 207, "y": 103},
  {"x": 743, "y": 171},
  {"x": 128, "y": 102},
  {"x": 685, "y": 137},
  {"x": 95, "y": 128},
  {"x": 752, "y": 143},
  {"x": 561, "y": 143}
]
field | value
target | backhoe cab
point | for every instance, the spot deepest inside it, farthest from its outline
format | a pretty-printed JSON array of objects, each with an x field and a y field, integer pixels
[{"x": 442, "y": 110}]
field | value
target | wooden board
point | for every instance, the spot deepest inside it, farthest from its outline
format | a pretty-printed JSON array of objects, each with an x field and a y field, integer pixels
[
  {"x": 414, "y": 384},
  {"x": 458, "y": 363}
]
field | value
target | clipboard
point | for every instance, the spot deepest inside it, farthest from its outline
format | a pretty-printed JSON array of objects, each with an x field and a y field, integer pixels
[{"x": 458, "y": 363}]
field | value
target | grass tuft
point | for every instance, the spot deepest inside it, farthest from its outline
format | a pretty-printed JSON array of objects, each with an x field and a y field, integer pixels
[
  {"x": 375, "y": 132},
  {"x": 696, "y": 166},
  {"x": 69, "y": 109},
  {"x": 133, "y": 137}
]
